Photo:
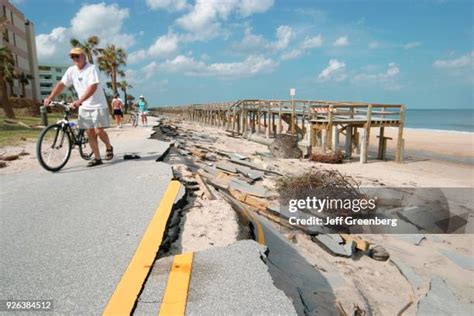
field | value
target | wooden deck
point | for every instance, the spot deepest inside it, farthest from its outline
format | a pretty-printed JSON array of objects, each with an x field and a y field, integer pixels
[{"x": 320, "y": 123}]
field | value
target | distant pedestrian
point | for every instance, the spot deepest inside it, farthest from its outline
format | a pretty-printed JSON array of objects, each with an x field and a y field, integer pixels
[
  {"x": 142, "y": 109},
  {"x": 117, "y": 107},
  {"x": 92, "y": 104}
]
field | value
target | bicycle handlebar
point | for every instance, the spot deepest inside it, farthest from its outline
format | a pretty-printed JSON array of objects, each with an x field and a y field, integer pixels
[{"x": 61, "y": 104}]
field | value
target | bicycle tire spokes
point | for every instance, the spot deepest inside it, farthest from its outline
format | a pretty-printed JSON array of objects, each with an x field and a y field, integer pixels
[{"x": 54, "y": 147}]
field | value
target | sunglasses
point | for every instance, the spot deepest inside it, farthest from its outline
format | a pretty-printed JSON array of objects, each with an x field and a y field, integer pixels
[{"x": 75, "y": 56}]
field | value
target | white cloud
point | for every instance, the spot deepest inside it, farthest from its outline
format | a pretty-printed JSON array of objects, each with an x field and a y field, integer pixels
[
  {"x": 249, "y": 7},
  {"x": 102, "y": 20},
  {"x": 164, "y": 45},
  {"x": 334, "y": 71},
  {"x": 203, "y": 21},
  {"x": 464, "y": 61},
  {"x": 169, "y": 5},
  {"x": 312, "y": 42},
  {"x": 307, "y": 44},
  {"x": 250, "y": 42},
  {"x": 411, "y": 45},
  {"x": 50, "y": 45},
  {"x": 292, "y": 54},
  {"x": 387, "y": 79},
  {"x": 284, "y": 35},
  {"x": 136, "y": 56},
  {"x": 341, "y": 41},
  {"x": 189, "y": 66}
]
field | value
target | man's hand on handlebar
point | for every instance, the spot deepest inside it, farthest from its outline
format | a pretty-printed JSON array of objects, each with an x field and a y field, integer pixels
[
  {"x": 75, "y": 104},
  {"x": 47, "y": 101}
]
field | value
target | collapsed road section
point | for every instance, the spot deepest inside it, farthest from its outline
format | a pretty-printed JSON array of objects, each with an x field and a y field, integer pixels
[{"x": 155, "y": 281}]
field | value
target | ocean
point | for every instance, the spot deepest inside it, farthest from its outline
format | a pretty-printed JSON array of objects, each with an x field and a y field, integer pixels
[{"x": 460, "y": 120}]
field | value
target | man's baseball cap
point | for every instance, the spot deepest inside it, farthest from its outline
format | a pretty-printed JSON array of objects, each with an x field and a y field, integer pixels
[{"x": 76, "y": 51}]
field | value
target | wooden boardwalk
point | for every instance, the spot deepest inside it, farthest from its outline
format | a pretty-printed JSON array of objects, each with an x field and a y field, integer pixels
[{"x": 318, "y": 123}]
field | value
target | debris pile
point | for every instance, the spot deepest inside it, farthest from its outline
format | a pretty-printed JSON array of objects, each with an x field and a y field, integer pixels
[
  {"x": 285, "y": 146},
  {"x": 336, "y": 157},
  {"x": 322, "y": 184}
]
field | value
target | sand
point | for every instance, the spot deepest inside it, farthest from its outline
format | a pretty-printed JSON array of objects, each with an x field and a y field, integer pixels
[{"x": 441, "y": 144}]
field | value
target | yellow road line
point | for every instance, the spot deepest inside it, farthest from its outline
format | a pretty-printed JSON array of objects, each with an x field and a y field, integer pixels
[
  {"x": 176, "y": 293},
  {"x": 126, "y": 293},
  {"x": 260, "y": 235}
]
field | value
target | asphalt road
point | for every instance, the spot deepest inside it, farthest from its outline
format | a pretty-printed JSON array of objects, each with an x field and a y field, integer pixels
[{"x": 69, "y": 236}]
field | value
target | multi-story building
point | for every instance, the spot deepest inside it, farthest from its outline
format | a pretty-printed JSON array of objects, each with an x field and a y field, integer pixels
[
  {"x": 19, "y": 37},
  {"x": 49, "y": 75}
]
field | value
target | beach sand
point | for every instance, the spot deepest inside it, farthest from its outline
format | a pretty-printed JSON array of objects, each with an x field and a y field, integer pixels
[{"x": 439, "y": 144}]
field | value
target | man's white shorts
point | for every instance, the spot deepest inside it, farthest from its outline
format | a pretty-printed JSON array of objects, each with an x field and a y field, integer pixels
[{"x": 96, "y": 118}]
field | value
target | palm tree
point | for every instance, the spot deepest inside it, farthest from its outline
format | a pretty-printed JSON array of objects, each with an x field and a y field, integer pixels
[
  {"x": 7, "y": 73},
  {"x": 89, "y": 47},
  {"x": 24, "y": 81},
  {"x": 124, "y": 86},
  {"x": 110, "y": 60}
]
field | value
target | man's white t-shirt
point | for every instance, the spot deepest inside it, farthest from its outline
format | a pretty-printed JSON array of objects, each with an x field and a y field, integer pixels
[{"x": 81, "y": 79}]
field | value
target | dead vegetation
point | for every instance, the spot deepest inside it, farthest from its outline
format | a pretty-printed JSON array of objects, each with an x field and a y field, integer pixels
[
  {"x": 321, "y": 184},
  {"x": 336, "y": 157}
]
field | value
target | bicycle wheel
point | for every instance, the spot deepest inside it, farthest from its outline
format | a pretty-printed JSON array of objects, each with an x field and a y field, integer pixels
[
  {"x": 84, "y": 149},
  {"x": 54, "y": 147}
]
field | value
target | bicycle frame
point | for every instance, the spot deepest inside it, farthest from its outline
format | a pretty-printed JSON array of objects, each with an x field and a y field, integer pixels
[{"x": 66, "y": 127}]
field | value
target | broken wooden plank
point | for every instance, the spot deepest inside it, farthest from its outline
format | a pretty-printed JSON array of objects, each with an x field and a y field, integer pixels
[
  {"x": 254, "y": 166},
  {"x": 242, "y": 186},
  {"x": 250, "y": 200},
  {"x": 227, "y": 166},
  {"x": 249, "y": 173},
  {"x": 204, "y": 188},
  {"x": 197, "y": 152},
  {"x": 360, "y": 244}
]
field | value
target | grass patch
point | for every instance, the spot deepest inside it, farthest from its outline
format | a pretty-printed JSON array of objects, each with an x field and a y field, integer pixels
[{"x": 12, "y": 134}]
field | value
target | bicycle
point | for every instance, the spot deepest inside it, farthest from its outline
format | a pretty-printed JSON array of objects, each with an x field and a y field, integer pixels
[
  {"x": 56, "y": 141},
  {"x": 134, "y": 116}
]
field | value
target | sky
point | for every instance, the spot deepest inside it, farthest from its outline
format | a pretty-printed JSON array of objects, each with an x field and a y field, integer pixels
[{"x": 418, "y": 53}]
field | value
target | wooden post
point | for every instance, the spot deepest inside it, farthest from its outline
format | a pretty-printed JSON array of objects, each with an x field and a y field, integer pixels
[
  {"x": 335, "y": 138},
  {"x": 312, "y": 133},
  {"x": 399, "y": 153},
  {"x": 363, "y": 146},
  {"x": 367, "y": 131},
  {"x": 280, "y": 123},
  {"x": 329, "y": 128},
  {"x": 302, "y": 122},
  {"x": 381, "y": 143},
  {"x": 324, "y": 139},
  {"x": 273, "y": 125},
  {"x": 258, "y": 118},
  {"x": 349, "y": 141},
  {"x": 293, "y": 116}
]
